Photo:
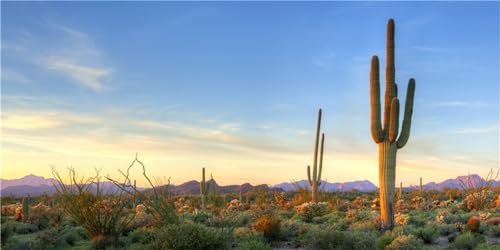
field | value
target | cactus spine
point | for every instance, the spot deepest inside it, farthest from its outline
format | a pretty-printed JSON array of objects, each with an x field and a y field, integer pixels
[
  {"x": 315, "y": 178},
  {"x": 26, "y": 208},
  {"x": 386, "y": 137}
]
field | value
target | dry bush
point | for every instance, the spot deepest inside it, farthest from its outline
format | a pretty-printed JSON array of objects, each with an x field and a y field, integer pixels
[
  {"x": 478, "y": 192},
  {"x": 102, "y": 215},
  {"x": 158, "y": 201}
]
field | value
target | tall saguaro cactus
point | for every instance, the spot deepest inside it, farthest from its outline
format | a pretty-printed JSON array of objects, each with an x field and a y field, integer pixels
[
  {"x": 315, "y": 178},
  {"x": 387, "y": 136}
]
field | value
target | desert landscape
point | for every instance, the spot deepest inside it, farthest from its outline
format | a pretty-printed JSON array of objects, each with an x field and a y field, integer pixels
[{"x": 197, "y": 125}]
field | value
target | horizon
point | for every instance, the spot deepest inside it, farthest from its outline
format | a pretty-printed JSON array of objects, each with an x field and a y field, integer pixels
[
  {"x": 235, "y": 87},
  {"x": 271, "y": 185}
]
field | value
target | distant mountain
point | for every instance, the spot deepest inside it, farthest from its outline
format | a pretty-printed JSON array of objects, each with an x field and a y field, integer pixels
[
  {"x": 28, "y": 180},
  {"x": 456, "y": 183},
  {"x": 363, "y": 186},
  {"x": 36, "y": 185}
]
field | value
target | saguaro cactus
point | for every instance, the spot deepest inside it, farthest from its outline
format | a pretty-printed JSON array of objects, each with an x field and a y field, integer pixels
[
  {"x": 315, "y": 178},
  {"x": 203, "y": 188},
  {"x": 26, "y": 208},
  {"x": 387, "y": 136}
]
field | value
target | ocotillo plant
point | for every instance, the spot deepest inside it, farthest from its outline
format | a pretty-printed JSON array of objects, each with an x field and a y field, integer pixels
[
  {"x": 315, "y": 178},
  {"x": 387, "y": 136}
]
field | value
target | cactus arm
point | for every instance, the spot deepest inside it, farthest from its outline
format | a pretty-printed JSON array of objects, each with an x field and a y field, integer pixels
[
  {"x": 321, "y": 158},
  {"x": 389, "y": 75},
  {"x": 394, "y": 125},
  {"x": 309, "y": 175},
  {"x": 395, "y": 89},
  {"x": 376, "y": 127},
  {"x": 405, "y": 130}
]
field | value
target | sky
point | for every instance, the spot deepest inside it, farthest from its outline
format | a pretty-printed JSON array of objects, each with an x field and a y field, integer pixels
[{"x": 235, "y": 87}]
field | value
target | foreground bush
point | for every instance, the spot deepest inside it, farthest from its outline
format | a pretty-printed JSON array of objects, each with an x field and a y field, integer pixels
[
  {"x": 405, "y": 242},
  {"x": 191, "y": 237},
  {"x": 103, "y": 216},
  {"x": 269, "y": 225},
  {"x": 329, "y": 238},
  {"x": 467, "y": 241}
]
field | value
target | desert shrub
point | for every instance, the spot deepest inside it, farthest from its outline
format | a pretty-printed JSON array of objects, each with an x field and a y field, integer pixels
[
  {"x": 405, "y": 242},
  {"x": 384, "y": 241},
  {"x": 456, "y": 218},
  {"x": 242, "y": 234},
  {"x": 486, "y": 246},
  {"x": 254, "y": 245},
  {"x": 493, "y": 230},
  {"x": 307, "y": 211},
  {"x": 467, "y": 241},
  {"x": 141, "y": 235},
  {"x": 200, "y": 217},
  {"x": 51, "y": 239},
  {"x": 191, "y": 237},
  {"x": 428, "y": 234},
  {"x": 291, "y": 229},
  {"x": 7, "y": 231},
  {"x": 14, "y": 243},
  {"x": 362, "y": 226},
  {"x": 478, "y": 193},
  {"x": 230, "y": 219},
  {"x": 361, "y": 239},
  {"x": 445, "y": 229},
  {"x": 269, "y": 225},
  {"x": 25, "y": 228},
  {"x": 103, "y": 216},
  {"x": 323, "y": 239}
]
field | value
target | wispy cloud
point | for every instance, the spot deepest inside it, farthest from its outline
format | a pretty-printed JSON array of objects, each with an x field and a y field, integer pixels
[
  {"x": 9, "y": 75},
  {"x": 481, "y": 130},
  {"x": 29, "y": 120},
  {"x": 87, "y": 76},
  {"x": 67, "y": 51},
  {"x": 324, "y": 61},
  {"x": 457, "y": 104}
]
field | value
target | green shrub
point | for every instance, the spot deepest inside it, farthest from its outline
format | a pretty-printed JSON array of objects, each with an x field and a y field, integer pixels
[
  {"x": 242, "y": 234},
  {"x": 71, "y": 235},
  {"x": 254, "y": 245},
  {"x": 486, "y": 246},
  {"x": 191, "y": 237},
  {"x": 16, "y": 244},
  {"x": 323, "y": 239},
  {"x": 428, "y": 234},
  {"x": 141, "y": 235},
  {"x": 25, "y": 228},
  {"x": 384, "y": 241},
  {"x": 405, "y": 242},
  {"x": 468, "y": 241},
  {"x": 446, "y": 229},
  {"x": 361, "y": 239},
  {"x": 494, "y": 230},
  {"x": 7, "y": 231},
  {"x": 51, "y": 239},
  {"x": 329, "y": 238}
]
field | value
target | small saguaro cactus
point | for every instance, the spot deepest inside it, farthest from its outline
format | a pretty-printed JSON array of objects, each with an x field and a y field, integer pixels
[
  {"x": 400, "y": 190},
  {"x": 421, "y": 188},
  {"x": 315, "y": 178},
  {"x": 203, "y": 189},
  {"x": 26, "y": 208},
  {"x": 387, "y": 136}
]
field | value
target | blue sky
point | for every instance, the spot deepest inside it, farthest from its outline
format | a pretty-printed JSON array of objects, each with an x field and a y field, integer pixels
[{"x": 235, "y": 87}]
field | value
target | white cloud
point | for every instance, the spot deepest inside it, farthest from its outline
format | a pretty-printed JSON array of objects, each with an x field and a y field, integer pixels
[
  {"x": 457, "y": 104},
  {"x": 91, "y": 77},
  {"x": 481, "y": 130}
]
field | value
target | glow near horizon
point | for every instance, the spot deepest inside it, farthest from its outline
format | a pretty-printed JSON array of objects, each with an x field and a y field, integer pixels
[{"x": 235, "y": 88}]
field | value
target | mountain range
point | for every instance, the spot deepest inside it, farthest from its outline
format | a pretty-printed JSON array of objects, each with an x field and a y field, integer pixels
[{"x": 36, "y": 185}]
